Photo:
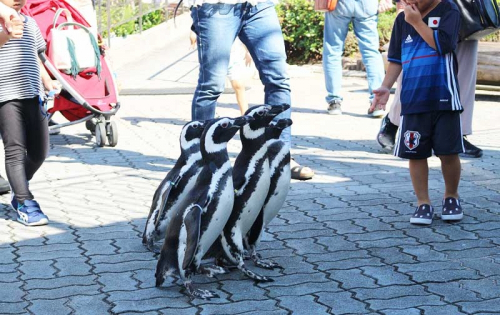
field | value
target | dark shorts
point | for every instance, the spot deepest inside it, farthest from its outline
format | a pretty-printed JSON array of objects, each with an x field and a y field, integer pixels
[{"x": 420, "y": 134}]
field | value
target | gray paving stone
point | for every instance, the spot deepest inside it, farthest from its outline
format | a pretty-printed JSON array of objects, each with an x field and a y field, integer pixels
[
  {"x": 294, "y": 279},
  {"x": 63, "y": 292},
  {"x": 390, "y": 292},
  {"x": 452, "y": 291},
  {"x": 404, "y": 302},
  {"x": 490, "y": 306},
  {"x": 343, "y": 303},
  {"x": 386, "y": 275},
  {"x": 486, "y": 266},
  {"x": 339, "y": 255},
  {"x": 444, "y": 275},
  {"x": 59, "y": 282},
  {"x": 11, "y": 292},
  {"x": 89, "y": 305},
  {"x": 50, "y": 307},
  {"x": 407, "y": 311},
  {"x": 308, "y": 288},
  {"x": 441, "y": 310},
  {"x": 72, "y": 266},
  {"x": 167, "y": 291},
  {"x": 349, "y": 263},
  {"x": 487, "y": 288},
  {"x": 353, "y": 279},
  {"x": 13, "y": 308},
  {"x": 150, "y": 304},
  {"x": 239, "y": 307},
  {"x": 126, "y": 266},
  {"x": 177, "y": 311},
  {"x": 118, "y": 281},
  {"x": 472, "y": 253},
  {"x": 302, "y": 304}
]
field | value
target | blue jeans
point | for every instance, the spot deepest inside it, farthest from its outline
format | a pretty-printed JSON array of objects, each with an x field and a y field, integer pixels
[
  {"x": 217, "y": 26},
  {"x": 364, "y": 17}
]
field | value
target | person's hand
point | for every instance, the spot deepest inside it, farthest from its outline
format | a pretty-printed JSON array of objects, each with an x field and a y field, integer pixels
[
  {"x": 192, "y": 40},
  {"x": 381, "y": 98},
  {"x": 385, "y": 5},
  {"x": 248, "y": 59},
  {"x": 412, "y": 15},
  {"x": 400, "y": 7},
  {"x": 51, "y": 86},
  {"x": 17, "y": 27},
  {"x": 6, "y": 16}
]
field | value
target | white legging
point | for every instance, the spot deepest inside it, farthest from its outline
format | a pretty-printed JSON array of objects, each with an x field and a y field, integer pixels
[{"x": 467, "y": 74}]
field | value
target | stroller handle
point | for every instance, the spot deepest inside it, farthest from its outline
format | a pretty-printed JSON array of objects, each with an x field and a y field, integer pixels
[{"x": 71, "y": 90}]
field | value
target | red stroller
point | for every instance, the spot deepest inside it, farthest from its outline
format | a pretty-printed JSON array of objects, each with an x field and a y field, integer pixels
[{"x": 89, "y": 97}]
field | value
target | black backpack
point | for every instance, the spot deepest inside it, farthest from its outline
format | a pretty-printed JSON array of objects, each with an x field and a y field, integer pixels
[{"x": 479, "y": 18}]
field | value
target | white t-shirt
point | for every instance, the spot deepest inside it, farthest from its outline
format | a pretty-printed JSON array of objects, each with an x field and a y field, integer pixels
[{"x": 19, "y": 69}]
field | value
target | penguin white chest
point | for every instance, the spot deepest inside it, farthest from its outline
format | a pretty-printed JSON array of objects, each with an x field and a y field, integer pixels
[
  {"x": 278, "y": 196},
  {"x": 219, "y": 217},
  {"x": 255, "y": 202}
]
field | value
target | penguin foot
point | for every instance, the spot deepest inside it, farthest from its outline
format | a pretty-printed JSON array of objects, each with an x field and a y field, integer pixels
[
  {"x": 266, "y": 264},
  {"x": 256, "y": 277},
  {"x": 211, "y": 271},
  {"x": 246, "y": 255},
  {"x": 153, "y": 248},
  {"x": 199, "y": 293}
]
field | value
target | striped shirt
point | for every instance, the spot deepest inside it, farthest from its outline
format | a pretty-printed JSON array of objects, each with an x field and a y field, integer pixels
[
  {"x": 429, "y": 75},
  {"x": 19, "y": 69}
]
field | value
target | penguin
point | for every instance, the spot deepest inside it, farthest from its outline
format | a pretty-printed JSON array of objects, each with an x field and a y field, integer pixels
[
  {"x": 199, "y": 221},
  {"x": 174, "y": 188},
  {"x": 251, "y": 184},
  {"x": 278, "y": 153}
]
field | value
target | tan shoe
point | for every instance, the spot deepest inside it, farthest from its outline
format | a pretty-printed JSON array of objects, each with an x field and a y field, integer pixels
[{"x": 300, "y": 172}]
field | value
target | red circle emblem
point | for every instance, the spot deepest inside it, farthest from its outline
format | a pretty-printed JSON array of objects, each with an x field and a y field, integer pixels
[{"x": 435, "y": 22}]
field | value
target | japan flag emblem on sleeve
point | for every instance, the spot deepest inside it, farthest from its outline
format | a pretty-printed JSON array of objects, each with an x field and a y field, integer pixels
[{"x": 433, "y": 22}]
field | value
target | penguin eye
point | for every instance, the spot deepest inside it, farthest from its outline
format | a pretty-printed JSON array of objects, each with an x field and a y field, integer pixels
[
  {"x": 195, "y": 126},
  {"x": 260, "y": 112},
  {"x": 224, "y": 125}
]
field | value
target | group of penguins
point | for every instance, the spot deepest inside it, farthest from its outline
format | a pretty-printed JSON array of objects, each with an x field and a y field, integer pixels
[{"x": 206, "y": 209}]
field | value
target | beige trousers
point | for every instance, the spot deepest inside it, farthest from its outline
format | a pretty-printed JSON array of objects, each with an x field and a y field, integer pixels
[{"x": 467, "y": 73}]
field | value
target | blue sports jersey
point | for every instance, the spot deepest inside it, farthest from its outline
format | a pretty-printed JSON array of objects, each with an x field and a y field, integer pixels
[{"x": 429, "y": 75}]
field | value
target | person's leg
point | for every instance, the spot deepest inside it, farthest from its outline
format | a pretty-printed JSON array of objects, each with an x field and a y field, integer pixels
[
  {"x": 365, "y": 29},
  {"x": 216, "y": 26},
  {"x": 335, "y": 32},
  {"x": 451, "y": 168},
  {"x": 261, "y": 34},
  {"x": 467, "y": 75},
  {"x": 419, "y": 172},
  {"x": 37, "y": 139},
  {"x": 12, "y": 128},
  {"x": 241, "y": 97},
  {"x": 263, "y": 38}
]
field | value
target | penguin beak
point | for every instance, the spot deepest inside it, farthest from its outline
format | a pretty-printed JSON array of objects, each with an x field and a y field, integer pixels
[
  {"x": 241, "y": 121},
  {"x": 284, "y": 123},
  {"x": 277, "y": 109}
]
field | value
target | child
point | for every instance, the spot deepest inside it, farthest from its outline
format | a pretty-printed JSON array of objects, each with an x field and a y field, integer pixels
[
  {"x": 23, "y": 121},
  {"x": 423, "y": 41}
]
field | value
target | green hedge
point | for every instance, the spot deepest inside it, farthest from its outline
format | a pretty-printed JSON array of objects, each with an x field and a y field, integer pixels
[{"x": 303, "y": 31}]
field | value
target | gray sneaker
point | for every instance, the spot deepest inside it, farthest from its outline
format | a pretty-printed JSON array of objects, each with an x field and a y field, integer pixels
[{"x": 334, "y": 107}]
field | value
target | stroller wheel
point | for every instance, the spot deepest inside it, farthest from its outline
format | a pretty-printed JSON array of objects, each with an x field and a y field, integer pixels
[
  {"x": 112, "y": 134},
  {"x": 100, "y": 134},
  {"x": 90, "y": 125}
]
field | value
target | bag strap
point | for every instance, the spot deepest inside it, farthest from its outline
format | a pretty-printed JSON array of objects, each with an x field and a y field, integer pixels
[{"x": 69, "y": 18}]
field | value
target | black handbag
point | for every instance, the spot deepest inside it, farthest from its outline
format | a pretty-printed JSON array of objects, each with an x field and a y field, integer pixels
[{"x": 479, "y": 18}]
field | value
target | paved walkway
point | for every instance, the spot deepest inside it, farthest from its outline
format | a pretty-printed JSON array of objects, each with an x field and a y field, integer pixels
[{"x": 344, "y": 237}]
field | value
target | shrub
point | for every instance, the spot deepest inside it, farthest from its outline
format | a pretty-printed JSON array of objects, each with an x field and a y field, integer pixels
[{"x": 302, "y": 30}]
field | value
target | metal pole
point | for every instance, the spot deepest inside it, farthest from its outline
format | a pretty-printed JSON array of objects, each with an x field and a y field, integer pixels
[{"x": 108, "y": 12}]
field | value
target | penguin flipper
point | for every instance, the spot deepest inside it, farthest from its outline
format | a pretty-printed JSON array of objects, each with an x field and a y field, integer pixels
[
  {"x": 192, "y": 221},
  {"x": 163, "y": 205}
]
